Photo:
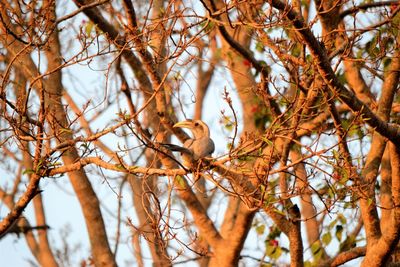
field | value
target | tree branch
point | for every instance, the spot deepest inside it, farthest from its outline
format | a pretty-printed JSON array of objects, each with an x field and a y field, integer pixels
[
  {"x": 366, "y": 6},
  {"x": 390, "y": 131}
]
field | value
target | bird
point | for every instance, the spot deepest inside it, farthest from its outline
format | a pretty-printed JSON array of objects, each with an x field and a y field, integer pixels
[
  {"x": 21, "y": 226},
  {"x": 199, "y": 146}
]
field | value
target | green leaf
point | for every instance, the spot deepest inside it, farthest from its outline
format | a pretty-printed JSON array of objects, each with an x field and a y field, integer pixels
[
  {"x": 120, "y": 166},
  {"x": 272, "y": 251},
  {"x": 345, "y": 176},
  {"x": 335, "y": 154},
  {"x": 218, "y": 53},
  {"x": 274, "y": 233},
  {"x": 331, "y": 193},
  {"x": 342, "y": 77},
  {"x": 177, "y": 76},
  {"x": 332, "y": 224},
  {"x": 316, "y": 250},
  {"x": 229, "y": 127},
  {"x": 131, "y": 168},
  {"x": 359, "y": 53},
  {"x": 342, "y": 219},
  {"x": 39, "y": 165},
  {"x": 209, "y": 25},
  {"x": 228, "y": 123},
  {"x": 179, "y": 180},
  {"x": 267, "y": 141},
  {"x": 278, "y": 253},
  {"x": 386, "y": 63},
  {"x": 326, "y": 238},
  {"x": 55, "y": 164},
  {"x": 84, "y": 146},
  {"x": 65, "y": 130},
  {"x": 28, "y": 171},
  {"x": 296, "y": 50},
  {"x": 259, "y": 47},
  {"x": 229, "y": 145},
  {"x": 339, "y": 232},
  {"x": 349, "y": 242},
  {"x": 89, "y": 27},
  {"x": 260, "y": 229},
  {"x": 262, "y": 188},
  {"x": 280, "y": 212}
]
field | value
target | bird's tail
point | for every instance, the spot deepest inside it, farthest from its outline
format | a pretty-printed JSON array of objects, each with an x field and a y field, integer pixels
[{"x": 177, "y": 148}]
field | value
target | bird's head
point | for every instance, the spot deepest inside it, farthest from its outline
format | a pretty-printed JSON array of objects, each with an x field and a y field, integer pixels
[{"x": 198, "y": 128}]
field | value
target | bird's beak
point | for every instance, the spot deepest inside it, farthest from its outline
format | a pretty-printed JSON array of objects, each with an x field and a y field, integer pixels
[{"x": 183, "y": 124}]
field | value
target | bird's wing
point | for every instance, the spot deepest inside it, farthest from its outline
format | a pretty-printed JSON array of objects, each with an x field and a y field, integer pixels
[
  {"x": 189, "y": 144},
  {"x": 201, "y": 148}
]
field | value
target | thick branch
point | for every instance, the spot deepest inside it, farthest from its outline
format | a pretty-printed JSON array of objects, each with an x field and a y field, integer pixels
[
  {"x": 346, "y": 256},
  {"x": 30, "y": 192}
]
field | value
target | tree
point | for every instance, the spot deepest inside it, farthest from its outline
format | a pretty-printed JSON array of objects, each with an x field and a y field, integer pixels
[{"x": 307, "y": 162}]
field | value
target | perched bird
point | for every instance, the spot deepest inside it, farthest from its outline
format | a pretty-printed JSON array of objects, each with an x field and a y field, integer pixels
[
  {"x": 294, "y": 213},
  {"x": 21, "y": 226},
  {"x": 200, "y": 146}
]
